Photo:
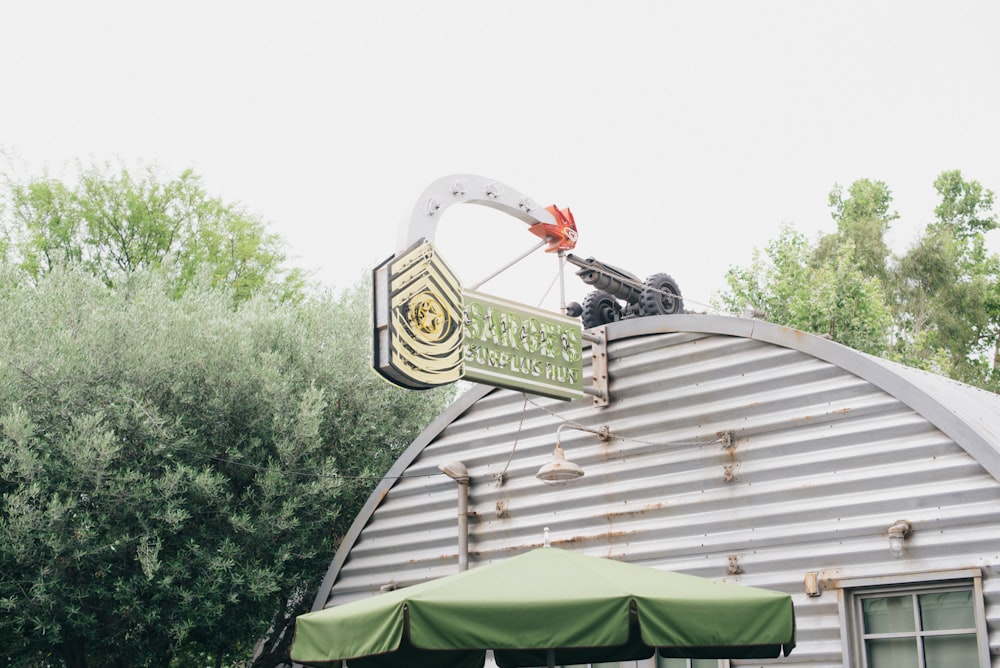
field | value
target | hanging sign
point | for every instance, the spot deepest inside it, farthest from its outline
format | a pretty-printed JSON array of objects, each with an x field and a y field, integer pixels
[{"x": 430, "y": 332}]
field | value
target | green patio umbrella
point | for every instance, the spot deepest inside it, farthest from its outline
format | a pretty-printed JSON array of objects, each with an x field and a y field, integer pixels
[{"x": 547, "y": 607}]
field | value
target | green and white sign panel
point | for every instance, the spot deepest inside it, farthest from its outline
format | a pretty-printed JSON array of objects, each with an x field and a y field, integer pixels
[
  {"x": 522, "y": 348},
  {"x": 429, "y": 332}
]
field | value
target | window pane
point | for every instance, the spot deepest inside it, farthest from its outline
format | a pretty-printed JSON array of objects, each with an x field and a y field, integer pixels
[
  {"x": 960, "y": 651},
  {"x": 664, "y": 662},
  {"x": 892, "y": 653},
  {"x": 704, "y": 663},
  {"x": 888, "y": 614},
  {"x": 947, "y": 610}
]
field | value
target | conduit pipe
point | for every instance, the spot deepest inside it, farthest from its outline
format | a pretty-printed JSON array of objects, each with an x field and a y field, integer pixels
[{"x": 457, "y": 472}]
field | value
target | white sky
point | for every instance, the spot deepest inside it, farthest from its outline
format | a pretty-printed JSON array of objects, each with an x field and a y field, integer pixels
[{"x": 681, "y": 134}]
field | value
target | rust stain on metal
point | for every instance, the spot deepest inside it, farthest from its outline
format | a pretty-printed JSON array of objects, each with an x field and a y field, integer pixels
[
  {"x": 441, "y": 557},
  {"x": 837, "y": 411},
  {"x": 634, "y": 513},
  {"x": 607, "y": 535},
  {"x": 505, "y": 550}
]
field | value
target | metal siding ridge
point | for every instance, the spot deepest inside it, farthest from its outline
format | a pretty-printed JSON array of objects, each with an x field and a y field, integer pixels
[{"x": 972, "y": 432}]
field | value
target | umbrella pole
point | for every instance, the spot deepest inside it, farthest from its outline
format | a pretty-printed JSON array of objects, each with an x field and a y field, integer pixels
[{"x": 550, "y": 654}]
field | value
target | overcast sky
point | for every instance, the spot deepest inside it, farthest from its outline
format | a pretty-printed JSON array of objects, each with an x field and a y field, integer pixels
[{"x": 681, "y": 134}]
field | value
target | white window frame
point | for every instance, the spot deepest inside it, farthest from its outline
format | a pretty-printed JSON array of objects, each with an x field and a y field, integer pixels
[
  {"x": 640, "y": 663},
  {"x": 651, "y": 663},
  {"x": 852, "y": 590}
]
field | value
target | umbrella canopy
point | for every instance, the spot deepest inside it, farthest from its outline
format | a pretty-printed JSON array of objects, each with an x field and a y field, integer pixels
[{"x": 550, "y": 606}]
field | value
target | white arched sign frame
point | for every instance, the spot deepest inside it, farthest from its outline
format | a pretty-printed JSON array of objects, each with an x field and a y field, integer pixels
[{"x": 466, "y": 189}]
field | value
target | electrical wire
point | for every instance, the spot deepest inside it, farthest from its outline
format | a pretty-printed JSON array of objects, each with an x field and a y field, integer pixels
[
  {"x": 549, "y": 289},
  {"x": 500, "y": 477},
  {"x": 618, "y": 436}
]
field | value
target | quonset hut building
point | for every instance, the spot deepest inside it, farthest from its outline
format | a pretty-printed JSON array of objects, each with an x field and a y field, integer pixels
[{"x": 736, "y": 450}]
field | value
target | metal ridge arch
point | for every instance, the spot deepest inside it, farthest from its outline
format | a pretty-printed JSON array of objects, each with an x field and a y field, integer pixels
[
  {"x": 892, "y": 378},
  {"x": 464, "y": 402}
]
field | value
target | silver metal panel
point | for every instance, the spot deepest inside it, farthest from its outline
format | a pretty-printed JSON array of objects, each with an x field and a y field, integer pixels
[{"x": 823, "y": 460}]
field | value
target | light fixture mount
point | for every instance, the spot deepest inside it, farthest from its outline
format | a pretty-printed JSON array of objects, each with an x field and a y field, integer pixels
[{"x": 898, "y": 532}]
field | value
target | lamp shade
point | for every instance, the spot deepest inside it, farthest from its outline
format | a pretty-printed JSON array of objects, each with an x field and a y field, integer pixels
[{"x": 559, "y": 470}]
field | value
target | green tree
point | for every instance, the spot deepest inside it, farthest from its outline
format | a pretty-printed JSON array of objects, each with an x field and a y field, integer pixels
[
  {"x": 175, "y": 474},
  {"x": 863, "y": 217},
  {"x": 834, "y": 297},
  {"x": 936, "y": 307},
  {"x": 114, "y": 222},
  {"x": 966, "y": 207},
  {"x": 947, "y": 287}
]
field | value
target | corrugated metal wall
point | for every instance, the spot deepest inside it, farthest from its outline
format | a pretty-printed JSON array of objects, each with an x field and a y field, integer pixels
[{"x": 821, "y": 464}]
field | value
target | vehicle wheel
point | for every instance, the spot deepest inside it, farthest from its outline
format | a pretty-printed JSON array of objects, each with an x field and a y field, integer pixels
[
  {"x": 599, "y": 308},
  {"x": 661, "y": 296}
]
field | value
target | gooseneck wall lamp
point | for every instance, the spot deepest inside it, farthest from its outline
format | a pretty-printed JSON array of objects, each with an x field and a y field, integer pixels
[{"x": 560, "y": 470}]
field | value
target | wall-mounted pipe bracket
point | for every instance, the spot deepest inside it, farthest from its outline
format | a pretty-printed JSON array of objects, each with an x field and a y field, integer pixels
[{"x": 733, "y": 566}]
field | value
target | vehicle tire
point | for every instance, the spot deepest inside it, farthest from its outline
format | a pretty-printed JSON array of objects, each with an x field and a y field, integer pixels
[
  {"x": 653, "y": 301},
  {"x": 599, "y": 308}
]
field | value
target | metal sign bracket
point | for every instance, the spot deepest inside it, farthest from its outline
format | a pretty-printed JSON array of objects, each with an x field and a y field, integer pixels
[{"x": 598, "y": 338}]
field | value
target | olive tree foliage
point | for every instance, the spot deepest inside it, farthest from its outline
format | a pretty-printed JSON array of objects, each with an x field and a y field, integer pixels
[
  {"x": 176, "y": 473},
  {"x": 113, "y": 221},
  {"x": 936, "y": 306}
]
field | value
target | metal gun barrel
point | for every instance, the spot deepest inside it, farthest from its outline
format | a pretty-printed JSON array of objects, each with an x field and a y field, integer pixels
[{"x": 610, "y": 279}]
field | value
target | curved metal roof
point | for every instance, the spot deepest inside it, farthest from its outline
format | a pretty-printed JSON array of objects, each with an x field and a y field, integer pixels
[{"x": 964, "y": 414}]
